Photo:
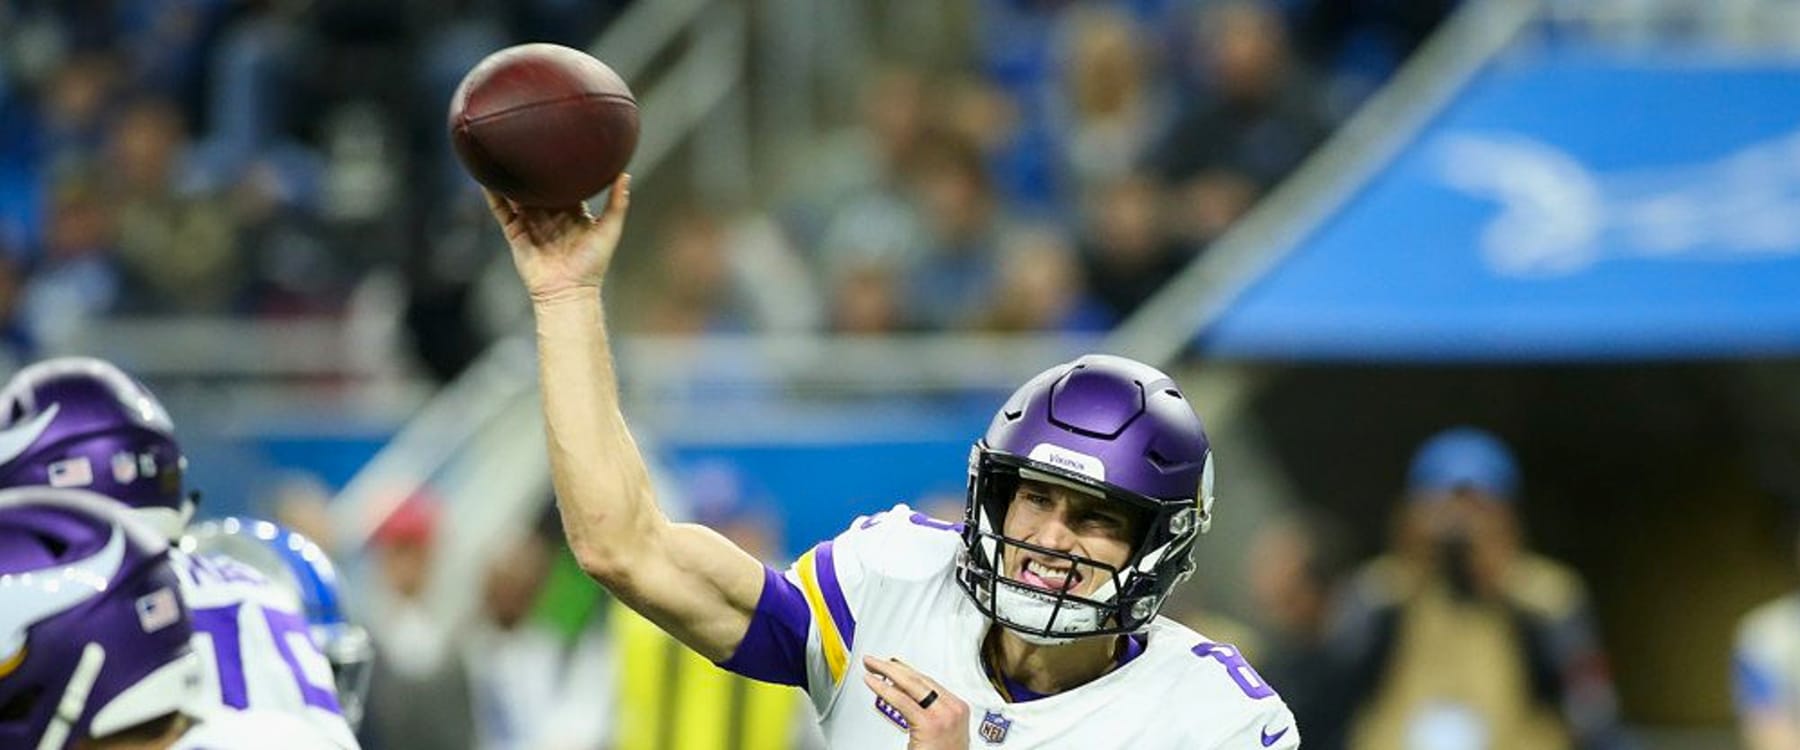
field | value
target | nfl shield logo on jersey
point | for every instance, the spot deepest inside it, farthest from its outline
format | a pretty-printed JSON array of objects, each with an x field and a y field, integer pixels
[{"x": 993, "y": 727}]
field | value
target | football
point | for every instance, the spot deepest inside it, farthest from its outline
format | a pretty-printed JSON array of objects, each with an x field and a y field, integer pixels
[{"x": 543, "y": 124}]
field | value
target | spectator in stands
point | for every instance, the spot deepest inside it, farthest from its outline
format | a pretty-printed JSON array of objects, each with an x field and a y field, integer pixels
[
  {"x": 935, "y": 234},
  {"x": 16, "y": 345},
  {"x": 1016, "y": 41},
  {"x": 718, "y": 273},
  {"x": 869, "y": 248},
  {"x": 689, "y": 291},
  {"x": 1255, "y": 119},
  {"x": 76, "y": 103},
  {"x": 856, "y": 211},
  {"x": 534, "y": 686},
  {"x": 290, "y": 267},
  {"x": 1042, "y": 287},
  {"x": 1111, "y": 105},
  {"x": 1125, "y": 248},
  {"x": 866, "y": 163},
  {"x": 970, "y": 108},
  {"x": 76, "y": 277},
  {"x": 272, "y": 128},
  {"x": 1461, "y": 637},
  {"x": 251, "y": 103},
  {"x": 176, "y": 250},
  {"x": 956, "y": 272},
  {"x": 1765, "y": 669},
  {"x": 163, "y": 45},
  {"x": 418, "y": 698},
  {"x": 867, "y": 301}
]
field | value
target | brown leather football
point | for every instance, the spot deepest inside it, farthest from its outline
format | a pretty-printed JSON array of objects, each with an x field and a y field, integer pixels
[{"x": 543, "y": 124}]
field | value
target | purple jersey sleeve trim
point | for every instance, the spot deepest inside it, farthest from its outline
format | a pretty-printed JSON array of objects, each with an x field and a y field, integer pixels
[
  {"x": 774, "y": 648},
  {"x": 834, "y": 596},
  {"x": 1134, "y": 647}
]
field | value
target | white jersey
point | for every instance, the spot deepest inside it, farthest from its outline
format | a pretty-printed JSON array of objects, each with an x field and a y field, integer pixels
[
  {"x": 887, "y": 588},
  {"x": 1766, "y": 660},
  {"x": 257, "y": 647},
  {"x": 253, "y": 730}
]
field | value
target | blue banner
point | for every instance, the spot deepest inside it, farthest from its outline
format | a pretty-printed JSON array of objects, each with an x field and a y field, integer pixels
[{"x": 1564, "y": 206}]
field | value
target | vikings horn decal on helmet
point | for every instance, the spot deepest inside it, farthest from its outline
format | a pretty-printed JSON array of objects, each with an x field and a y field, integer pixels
[
  {"x": 93, "y": 634},
  {"x": 1112, "y": 428},
  {"x": 83, "y": 423},
  {"x": 295, "y": 563}
]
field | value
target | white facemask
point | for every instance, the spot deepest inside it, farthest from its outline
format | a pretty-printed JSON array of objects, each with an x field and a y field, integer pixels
[{"x": 1032, "y": 609}]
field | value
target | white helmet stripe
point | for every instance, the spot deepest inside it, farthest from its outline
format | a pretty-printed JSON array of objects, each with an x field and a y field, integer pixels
[
  {"x": 15, "y": 439},
  {"x": 75, "y": 696},
  {"x": 28, "y": 597}
]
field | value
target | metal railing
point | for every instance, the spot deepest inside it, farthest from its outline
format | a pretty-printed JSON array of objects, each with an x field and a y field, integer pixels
[{"x": 1767, "y": 25}]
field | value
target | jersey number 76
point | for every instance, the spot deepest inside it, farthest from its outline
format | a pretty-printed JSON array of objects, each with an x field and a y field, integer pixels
[{"x": 220, "y": 624}]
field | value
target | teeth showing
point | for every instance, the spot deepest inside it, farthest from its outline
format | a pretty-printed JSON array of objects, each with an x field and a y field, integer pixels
[{"x": 1056, "y": 577}]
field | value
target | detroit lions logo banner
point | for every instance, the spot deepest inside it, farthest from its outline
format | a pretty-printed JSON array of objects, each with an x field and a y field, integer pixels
[{"x": 1524, "y": 223}]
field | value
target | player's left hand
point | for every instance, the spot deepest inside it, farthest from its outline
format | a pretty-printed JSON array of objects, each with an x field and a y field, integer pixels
[{"x": 938, "y": 719}]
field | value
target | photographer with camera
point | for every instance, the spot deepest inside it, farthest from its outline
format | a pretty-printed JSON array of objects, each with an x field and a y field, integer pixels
[{"x": 1461, "y": 637}]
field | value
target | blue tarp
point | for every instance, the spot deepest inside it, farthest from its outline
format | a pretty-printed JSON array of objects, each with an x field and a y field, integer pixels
[{"x": 1565, "y": 205}]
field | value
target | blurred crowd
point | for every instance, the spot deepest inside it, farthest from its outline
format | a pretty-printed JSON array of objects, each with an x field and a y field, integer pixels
[
  {"x": 232, "y": 157},
  {"x": 237, "y": 157},
  {"x": 1084, "y": 154}
]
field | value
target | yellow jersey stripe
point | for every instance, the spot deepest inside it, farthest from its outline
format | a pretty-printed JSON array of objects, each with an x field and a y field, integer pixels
[
  {"x": 12, "y": 662},
  {"x": 836, "y": 656}
]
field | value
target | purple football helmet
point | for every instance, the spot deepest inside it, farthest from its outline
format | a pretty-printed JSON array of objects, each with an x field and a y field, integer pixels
[
  {"x": 1108, "y": 427},
  {"x": 93, "y": 633},
  {"x": 82, "y": 422}
]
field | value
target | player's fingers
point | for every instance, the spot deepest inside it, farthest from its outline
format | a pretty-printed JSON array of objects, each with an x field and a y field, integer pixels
[
  {"x": 916, "y": 685},
  {"x": 892, "y": 694},
  {"x": 500, "y": 206},
  {"x": 618, "y": 200}
]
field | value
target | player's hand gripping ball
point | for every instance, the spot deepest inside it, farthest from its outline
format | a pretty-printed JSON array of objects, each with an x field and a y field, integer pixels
[{"x": 545, "y": 125}]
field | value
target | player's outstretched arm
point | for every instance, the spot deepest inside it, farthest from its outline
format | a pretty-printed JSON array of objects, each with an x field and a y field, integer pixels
[{"x": 687, "y": 579}]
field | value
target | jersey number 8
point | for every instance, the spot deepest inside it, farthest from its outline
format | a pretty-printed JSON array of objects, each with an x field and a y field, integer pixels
[{"x": 1240, "y": 670}]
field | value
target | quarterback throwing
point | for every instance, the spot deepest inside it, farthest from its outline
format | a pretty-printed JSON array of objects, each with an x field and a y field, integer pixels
[{"x": 1033, "y": 623}]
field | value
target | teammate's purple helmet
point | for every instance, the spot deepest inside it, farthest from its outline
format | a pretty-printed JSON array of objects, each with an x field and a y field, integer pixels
[
  {"x": 93, "y": 633},
  {"x": 82, "y": 422},
  {"x": 1110, "y": 427}
]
